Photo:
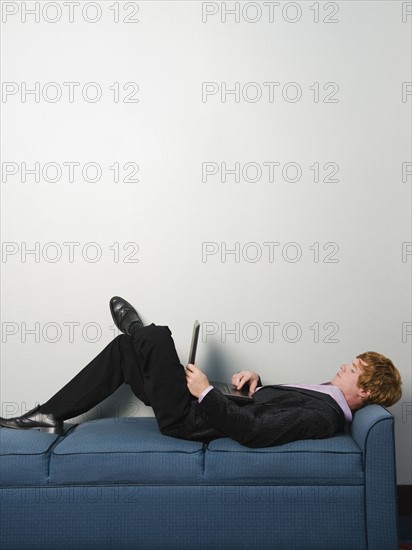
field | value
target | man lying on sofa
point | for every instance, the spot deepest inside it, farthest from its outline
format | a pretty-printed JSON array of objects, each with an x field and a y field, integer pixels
[{"x": 188, "y": 407}]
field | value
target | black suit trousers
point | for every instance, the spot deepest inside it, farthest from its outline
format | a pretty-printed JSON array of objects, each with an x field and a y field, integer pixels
[{"x": 147, "y": 361}]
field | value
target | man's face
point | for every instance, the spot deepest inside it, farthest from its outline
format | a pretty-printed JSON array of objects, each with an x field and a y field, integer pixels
[{"x": 346, "y": 379}]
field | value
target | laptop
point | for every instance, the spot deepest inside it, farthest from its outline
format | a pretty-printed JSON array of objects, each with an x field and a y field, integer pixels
[{"x": 239, "y": 396}]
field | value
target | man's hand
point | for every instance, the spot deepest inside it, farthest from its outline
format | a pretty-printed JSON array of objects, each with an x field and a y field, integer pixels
[
  {"x": 245, "y": 377},
  {"x": 196, "y": 380}
]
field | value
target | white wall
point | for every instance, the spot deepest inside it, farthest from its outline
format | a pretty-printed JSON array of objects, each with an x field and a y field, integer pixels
[{"x": 298, "y": 310}]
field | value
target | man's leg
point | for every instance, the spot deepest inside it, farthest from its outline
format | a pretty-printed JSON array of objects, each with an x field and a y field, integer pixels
[
  {"x": 147, "y": 361},
  {"x": 175, "y": 408},
  {"x": 99, "y": 379},
  {"x": 153, "y": 359}
]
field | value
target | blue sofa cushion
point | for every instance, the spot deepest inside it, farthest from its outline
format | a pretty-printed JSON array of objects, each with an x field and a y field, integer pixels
[
  {"x": 24, "y": 456},
  {"x": 333, "y": 461},
  {"x": 125, "y": 450}
]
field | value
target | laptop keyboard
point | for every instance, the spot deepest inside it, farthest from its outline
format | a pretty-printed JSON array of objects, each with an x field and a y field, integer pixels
[{"x": 223, "y": 387}]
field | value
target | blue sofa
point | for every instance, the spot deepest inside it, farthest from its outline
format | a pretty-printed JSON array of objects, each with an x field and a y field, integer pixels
[{"x": 120, "y": 484}]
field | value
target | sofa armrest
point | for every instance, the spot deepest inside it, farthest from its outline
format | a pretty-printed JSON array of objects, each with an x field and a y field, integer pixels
[
  {"x": 373, "y": 431},
  {"x": 367, "y": 419}
]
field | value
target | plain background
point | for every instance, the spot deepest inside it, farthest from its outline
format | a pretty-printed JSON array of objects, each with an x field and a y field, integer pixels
[{"x": 285, "y": 310}]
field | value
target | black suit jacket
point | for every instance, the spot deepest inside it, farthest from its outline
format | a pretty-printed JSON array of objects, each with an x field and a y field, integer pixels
[{"x": 277, "y": 415}]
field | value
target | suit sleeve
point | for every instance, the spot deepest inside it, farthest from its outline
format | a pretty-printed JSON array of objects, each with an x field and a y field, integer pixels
[{"x": 260, "y": 425}]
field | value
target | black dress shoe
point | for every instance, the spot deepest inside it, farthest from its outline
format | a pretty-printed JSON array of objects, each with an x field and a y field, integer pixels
[
  {"x": 124, "y": 315},
  {"x": 34, "y": 420}
]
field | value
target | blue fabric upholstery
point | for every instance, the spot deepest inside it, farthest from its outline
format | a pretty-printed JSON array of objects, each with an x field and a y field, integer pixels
[
  {"x": 334, "y": 461},
  {"x": 184, "y": 518},
  {"x": 374, "y": 425},
  {"x": 24, "y": 456},
  {"x": 127, "y": 450},
  {"x": 120, "y": 483}
]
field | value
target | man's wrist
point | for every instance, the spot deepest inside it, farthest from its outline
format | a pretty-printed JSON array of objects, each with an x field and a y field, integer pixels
[{"x": 204, "y": 393}]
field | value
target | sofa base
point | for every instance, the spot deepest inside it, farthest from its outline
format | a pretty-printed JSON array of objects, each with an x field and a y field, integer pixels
[{"x": 142, "y": 517}]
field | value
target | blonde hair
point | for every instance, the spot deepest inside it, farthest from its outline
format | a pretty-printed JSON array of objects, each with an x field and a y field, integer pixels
[{"x": 380, "y": 378}]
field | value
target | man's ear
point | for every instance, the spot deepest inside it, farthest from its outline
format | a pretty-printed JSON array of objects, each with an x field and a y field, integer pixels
[{"x": 364, "y": 394}]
